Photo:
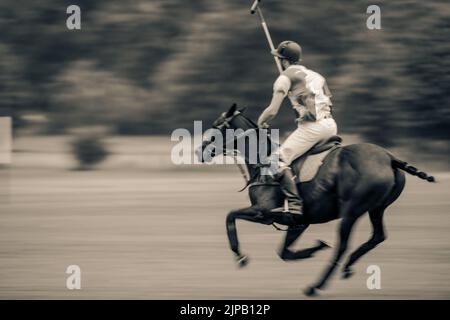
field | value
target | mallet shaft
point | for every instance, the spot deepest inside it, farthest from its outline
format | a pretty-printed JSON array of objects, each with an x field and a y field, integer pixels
[{"x": 269, "y": 38}]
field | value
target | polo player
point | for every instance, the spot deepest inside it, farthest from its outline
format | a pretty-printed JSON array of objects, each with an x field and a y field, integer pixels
[{"x": 311, "y": 99}]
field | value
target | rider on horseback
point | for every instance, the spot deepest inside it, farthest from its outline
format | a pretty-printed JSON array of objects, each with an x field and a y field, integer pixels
[{"x": 310, "y": 98}]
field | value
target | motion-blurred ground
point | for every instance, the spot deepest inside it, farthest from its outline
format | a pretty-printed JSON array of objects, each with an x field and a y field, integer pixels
[{"x": 140, "y": 228}]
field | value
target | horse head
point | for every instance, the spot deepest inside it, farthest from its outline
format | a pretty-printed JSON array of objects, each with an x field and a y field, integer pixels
[{"x": 226, "y": 130}]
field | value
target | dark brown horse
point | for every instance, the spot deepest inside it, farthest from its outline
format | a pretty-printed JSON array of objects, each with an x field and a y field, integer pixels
[{"x": 353, "y": 180}]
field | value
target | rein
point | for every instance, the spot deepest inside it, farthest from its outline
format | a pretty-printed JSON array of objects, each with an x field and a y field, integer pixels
[{"x": 249, "y": 180}]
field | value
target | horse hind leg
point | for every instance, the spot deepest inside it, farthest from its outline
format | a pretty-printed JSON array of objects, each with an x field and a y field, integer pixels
[
  {"x": 378, "y": 236},
  {"x": 376, "y": 219},
  {"x": 292, "y": 235},
  {"x": 345, "y": 229}
]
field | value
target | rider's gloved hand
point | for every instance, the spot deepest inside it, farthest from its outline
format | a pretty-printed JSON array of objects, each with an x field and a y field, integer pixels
[{"x": 263, "y": 125}]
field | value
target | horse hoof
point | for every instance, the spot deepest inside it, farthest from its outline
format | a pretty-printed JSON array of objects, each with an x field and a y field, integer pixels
[
  {"x": 310, "y": 292},
  {"x": 283, "y": 254},
  {"x": 323, "y": 244},
  {"x": 347, "y": 273},
  {"x": 242, "y": 261}
]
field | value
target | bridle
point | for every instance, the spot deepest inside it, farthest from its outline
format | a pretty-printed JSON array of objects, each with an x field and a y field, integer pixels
[{"x": 225, "y": 123}]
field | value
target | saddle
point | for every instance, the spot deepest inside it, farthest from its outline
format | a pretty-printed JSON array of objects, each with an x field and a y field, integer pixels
[
  {"x": 304, "y": 167},
  {"x": 307, "y": 165}
]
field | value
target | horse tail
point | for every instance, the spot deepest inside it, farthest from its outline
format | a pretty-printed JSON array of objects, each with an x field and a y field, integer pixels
[{"x": 403, "y": 165}]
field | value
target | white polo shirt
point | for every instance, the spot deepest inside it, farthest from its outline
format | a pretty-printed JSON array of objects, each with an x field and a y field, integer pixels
[{"x": 307, "y": 90}]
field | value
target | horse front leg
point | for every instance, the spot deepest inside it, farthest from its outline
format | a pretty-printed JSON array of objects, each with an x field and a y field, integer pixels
[
  {"x": 250, "y": 214},
  {"x": 293, "y": 233}
]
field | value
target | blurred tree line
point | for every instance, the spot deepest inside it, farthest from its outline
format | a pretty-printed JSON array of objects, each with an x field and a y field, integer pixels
[{"x": 144, "y": 67}]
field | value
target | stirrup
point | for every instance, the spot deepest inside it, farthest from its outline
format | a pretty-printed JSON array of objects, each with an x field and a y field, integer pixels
[
  {"x": 279, "y": 209},
  {"x": 285, "y": 209},
  {"x": 295, "y": 212}
]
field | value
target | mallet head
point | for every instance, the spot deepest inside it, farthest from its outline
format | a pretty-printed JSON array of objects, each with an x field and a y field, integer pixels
[{"x": 254, "y": 6}]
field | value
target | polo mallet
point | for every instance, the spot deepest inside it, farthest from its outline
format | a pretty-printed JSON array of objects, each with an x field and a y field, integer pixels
[{"x": 255, "y": 8}]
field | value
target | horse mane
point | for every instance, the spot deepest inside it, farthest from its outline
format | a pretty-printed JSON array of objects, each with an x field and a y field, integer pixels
[{"x": 250, "y": 121}]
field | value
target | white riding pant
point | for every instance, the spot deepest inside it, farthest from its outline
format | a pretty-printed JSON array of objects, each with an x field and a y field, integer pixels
[{"x": 302, "y": 139}]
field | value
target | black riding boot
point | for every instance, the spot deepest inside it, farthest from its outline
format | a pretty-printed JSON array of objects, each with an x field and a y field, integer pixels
[{"x": 289, "y": 188}]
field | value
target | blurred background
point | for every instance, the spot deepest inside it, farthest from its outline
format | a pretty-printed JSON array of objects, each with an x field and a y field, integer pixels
[{"x": 108, "y": 96}]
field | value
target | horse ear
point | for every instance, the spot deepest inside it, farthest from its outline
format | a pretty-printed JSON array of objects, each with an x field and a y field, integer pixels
[
  {"x": 241, "y": 110},
  {"x": 231, "y": 111}
]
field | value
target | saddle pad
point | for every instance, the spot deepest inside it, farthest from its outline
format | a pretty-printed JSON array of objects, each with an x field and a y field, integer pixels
[{"x": 309, "y": 167}]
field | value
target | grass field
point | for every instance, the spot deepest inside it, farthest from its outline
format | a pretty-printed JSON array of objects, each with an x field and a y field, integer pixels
[{"x": 142, "y": 229}]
